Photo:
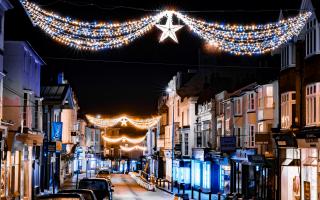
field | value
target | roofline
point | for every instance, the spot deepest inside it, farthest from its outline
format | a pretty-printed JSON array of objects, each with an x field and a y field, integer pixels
[
  {"x": 28, "y": 45},
  {"x": 6, "y": 4}
]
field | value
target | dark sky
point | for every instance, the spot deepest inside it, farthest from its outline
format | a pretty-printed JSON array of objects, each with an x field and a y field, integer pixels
[{"x": 128, "y": 79}]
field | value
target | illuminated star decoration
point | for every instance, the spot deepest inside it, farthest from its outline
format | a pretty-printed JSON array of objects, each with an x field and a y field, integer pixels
[
  {"x": 124, "y": 121},
  {"x": 169, "y": 30}
]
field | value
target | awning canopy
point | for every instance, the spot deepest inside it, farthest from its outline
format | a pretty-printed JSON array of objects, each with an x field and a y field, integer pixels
[{"x": 291, "y": 162}]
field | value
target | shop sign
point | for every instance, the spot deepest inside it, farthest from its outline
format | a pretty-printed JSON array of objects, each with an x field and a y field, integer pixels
[
  {"x": 56, "y": 131},
  {"x": 228, "y": 144},
  {"x": 198, "y": 154},
  {"x": 58, "y": 146},
  {"x": 256, "y": 159},
  {"x": 285, "y": 140},
  {"x": 51, "y": 147},
  {"x": 308, "y": 140},
  {"x": 242, "y": 154},
  {"x": 262, "y": 138}
]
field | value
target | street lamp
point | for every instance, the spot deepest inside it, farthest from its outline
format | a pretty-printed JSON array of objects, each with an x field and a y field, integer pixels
[{"x": 169, "y": 90}]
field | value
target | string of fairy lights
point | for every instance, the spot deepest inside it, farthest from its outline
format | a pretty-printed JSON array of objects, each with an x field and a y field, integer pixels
[
  {"x": 235, "y": 39},
  {"x": 123, "y": 139},
  {"x": 110, "y": 122}
]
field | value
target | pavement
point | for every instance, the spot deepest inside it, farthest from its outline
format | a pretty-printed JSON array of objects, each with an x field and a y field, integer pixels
[{"x": 195, "y": 193}]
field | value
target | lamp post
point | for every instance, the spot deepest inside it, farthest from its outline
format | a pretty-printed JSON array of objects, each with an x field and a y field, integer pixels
[{"x": 169, "y": 90}]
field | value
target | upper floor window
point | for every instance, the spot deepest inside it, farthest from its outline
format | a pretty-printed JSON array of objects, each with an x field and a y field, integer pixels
[
  {"x": 25, "y": 108},
  {"x": 265, "y": 97},
  {"x": 288, "y": 109},
  {"x": 238, "y": 106},
  {"x": 251, "y": 101},
  {"x": 288, "y": 56},
  {"x": 313, "y": 104},
  {"x": 311, "y": 37}
]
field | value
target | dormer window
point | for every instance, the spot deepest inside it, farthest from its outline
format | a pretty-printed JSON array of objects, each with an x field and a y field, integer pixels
[
  {"x": 311, "y": 37},
  {"x": 288, "y": 56}
]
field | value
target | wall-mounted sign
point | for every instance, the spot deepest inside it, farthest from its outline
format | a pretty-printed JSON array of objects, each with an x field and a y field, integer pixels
[
  {"x": 309, "y": 139},
  {"x": 228, "y": 144},
  {"x": 242, "y": 154},
  {"x": 256, "y": 159},
  {"x": 284, "y": 140},
  {"x": 51, "y": 147},
  {"x": 56, "y": 131}
]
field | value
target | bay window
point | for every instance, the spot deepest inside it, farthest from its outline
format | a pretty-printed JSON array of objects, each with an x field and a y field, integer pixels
[
  {"x": 312, "y": 37},
  {"x": 312, "y": 104},
  {"x": 288, "y": 109}
]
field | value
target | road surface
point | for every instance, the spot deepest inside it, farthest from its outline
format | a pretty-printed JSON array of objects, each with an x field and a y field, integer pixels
[{"x": 127, "y": 189}]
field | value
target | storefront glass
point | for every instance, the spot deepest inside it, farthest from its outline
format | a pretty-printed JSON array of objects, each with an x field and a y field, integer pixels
[
  {"x": 290, "y": 176},
  {"x": 206, "y": 181},
  {"x": 225, "y": 171},
  {"x": 196, "y": 173},
  {"x": 309, "y": 159}
]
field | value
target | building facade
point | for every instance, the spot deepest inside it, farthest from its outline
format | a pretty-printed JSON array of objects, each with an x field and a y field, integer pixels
[{"x": 23, "y": 106}]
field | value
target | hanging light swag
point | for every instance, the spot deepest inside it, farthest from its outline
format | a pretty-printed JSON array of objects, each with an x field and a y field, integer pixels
[
  {"x": 235, "y": 39},
  {"x": 124, "y": 139},
  {"x": 110, "y": 122}
]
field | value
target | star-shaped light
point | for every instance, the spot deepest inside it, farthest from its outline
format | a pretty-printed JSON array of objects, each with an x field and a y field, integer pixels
[
  {"x": 169, "y": 30},
  {"x": 124, "y": 121}
]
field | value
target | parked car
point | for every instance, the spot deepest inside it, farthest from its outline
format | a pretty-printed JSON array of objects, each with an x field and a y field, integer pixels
[
  {"x": 87, "y": 194},
  {"x": 104, "y": 173},
  {"x": 100, "y": 187},
  {"x": 61, "y": 196}
]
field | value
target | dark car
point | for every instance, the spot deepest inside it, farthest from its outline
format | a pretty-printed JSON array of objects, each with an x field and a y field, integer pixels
[
  {"x": 87, "y": 194},
  {"x": 99, "y": 186},
  {"x": 61, "y": 196}
]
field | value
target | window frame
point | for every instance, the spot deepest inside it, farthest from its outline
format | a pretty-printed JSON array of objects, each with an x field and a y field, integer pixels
[
  {"x": 238, "y": 106},
  {"x": 287, "y": 100}
]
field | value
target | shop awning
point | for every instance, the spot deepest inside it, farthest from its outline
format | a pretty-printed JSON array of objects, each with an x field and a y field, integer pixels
[{"x": 291, "y": 162}]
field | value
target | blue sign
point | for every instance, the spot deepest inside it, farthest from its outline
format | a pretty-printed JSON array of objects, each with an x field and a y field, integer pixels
[
  {"x": 228, "y": 144},
  {"x": 56, "y": 131}
]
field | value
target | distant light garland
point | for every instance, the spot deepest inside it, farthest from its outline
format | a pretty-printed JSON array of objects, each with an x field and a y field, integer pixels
[
  {"x": 124, "y": 139},
  {"x": 110, "y": 122},
  {"x": 235, "y": 39},
  {"x": 137, "y": 147}
]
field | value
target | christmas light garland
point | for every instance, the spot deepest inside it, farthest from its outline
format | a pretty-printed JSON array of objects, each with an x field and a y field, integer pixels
[
  {"x": 235, "y": 39},
  {"x": 110, "y": 122},
  {"x": 137, "y": 147},
  {"x": 124, "y": 139}
]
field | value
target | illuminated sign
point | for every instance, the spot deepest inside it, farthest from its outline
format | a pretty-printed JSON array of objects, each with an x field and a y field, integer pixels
[{"x": 56, "y": 131}]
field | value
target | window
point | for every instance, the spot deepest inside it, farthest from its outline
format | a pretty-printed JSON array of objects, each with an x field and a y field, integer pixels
[
  {"x": 311, "y": 37},
  {"x": 178, "y": 108},
  {"x": 251, "y": 135},
  {"x": 186, "y": 144},
  {"x": 313, "y": 104},
  {"x": 288, "y": 102},
  {"x": 238, "y": 137},
  {"x": 25, "y": 108},
  {"x": 288, "y": 56},
  {"x": 251, "y": 101},
  {"x": 269, "y": 97},
  {"x": 199, "y": 139},
  {"x": 238, "y": 106}
]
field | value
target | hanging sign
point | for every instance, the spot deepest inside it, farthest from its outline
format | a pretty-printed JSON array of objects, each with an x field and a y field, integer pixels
[
  {"x": 228, "y": 144},
  {"x": 56, "y": 131}
]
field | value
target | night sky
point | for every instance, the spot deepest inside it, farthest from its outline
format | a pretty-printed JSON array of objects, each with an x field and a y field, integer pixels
[{"x": 129, "y": 79}]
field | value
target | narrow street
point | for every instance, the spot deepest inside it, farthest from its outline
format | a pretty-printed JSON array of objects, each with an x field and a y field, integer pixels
[{"x": 126, "y": 188}]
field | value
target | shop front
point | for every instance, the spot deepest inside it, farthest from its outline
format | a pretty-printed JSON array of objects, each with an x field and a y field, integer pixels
[
  {"x": 204, "y": 176},
  {"x": 309, "y": 144},
  {"x": 243, "y": 173},
  {"x": 182, "y": 173}
]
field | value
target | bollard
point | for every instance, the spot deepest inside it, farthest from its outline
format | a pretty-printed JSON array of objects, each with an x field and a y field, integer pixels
[
  {"x": 210, "y": 196},
  {"x": 199, "y": 194},
  {"x": 219, "y": 195},
  {"x": 183, "y": 189}
]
